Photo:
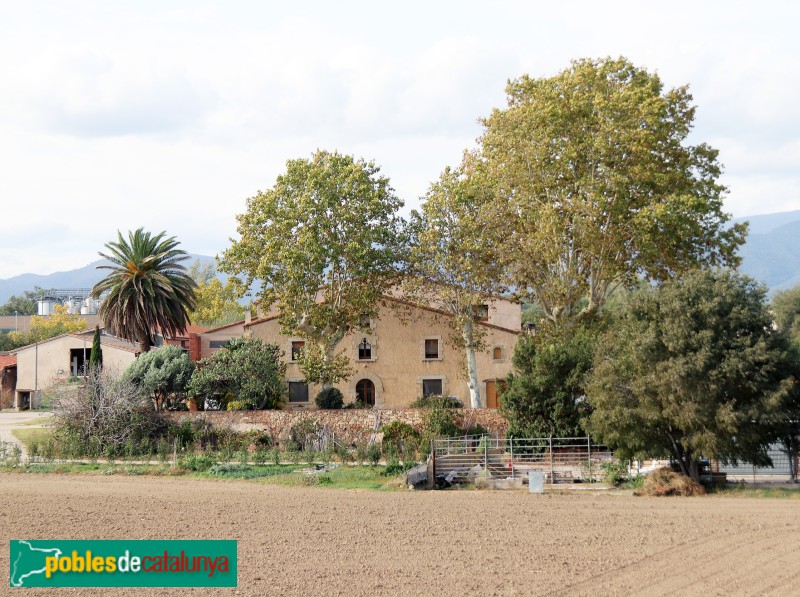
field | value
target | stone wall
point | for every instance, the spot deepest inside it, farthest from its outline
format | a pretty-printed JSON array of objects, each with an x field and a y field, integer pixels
[{"x": 348, "y": 426}]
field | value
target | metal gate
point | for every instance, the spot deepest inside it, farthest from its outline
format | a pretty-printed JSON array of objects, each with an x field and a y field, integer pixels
[{"x": 561, "y": 460}]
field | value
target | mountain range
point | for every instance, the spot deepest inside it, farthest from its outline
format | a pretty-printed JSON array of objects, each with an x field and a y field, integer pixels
[{"x": 771, "y": 255}]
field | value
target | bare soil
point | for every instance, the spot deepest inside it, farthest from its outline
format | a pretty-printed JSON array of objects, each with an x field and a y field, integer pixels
[{"x": 318, "y": 541}]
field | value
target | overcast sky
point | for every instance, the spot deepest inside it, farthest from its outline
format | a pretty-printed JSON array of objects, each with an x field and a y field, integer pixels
[{"x": 168, "y": 115}]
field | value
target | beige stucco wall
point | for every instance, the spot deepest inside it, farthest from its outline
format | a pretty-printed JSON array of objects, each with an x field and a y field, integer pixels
[
  {"x": 53, "y": 358},
  {"x": 224, "y": 334},
  {"x": 398, "y": 367}
]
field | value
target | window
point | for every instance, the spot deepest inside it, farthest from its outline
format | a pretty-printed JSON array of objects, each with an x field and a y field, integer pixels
[
  {"x": 365, "y": 392},
  {"x": 497, "y": 353},
  {"x": 431, "y": 348},
  {"x": 218, "y": 344},
  {"x": 298, "y": 391},
  {"x": 365, "y": 322},
  {"x": 481, "y": 312},
  {"x": 297, "y": 346},
  {"x": 364, "y": 350},
  {"x": 431, "y": 387}
]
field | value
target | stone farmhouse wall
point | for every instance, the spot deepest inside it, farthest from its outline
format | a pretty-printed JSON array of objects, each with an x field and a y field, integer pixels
[{"x": 348, "y": 426}]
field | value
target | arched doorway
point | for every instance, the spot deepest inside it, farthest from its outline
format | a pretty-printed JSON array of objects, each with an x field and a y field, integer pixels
[{"x": 365, "y": 392}]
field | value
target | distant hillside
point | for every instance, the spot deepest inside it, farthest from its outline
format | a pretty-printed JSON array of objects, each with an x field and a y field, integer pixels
[
  {"x": 772, "y": 251},
  {"x": 770, "y": 255},
  {"x": 84, "y": 277}
]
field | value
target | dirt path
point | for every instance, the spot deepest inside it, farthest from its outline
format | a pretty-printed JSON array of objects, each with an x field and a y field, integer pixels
[
  {"x": 315, "y": 541},
  {"x": 10, "y": 420}
]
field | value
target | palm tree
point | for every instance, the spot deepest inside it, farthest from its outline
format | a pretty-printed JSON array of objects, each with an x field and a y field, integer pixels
[{"x": 148, "y": 290}]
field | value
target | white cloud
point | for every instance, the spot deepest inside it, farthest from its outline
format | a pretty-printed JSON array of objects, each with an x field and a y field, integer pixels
[{"x": 121, "y": 115}]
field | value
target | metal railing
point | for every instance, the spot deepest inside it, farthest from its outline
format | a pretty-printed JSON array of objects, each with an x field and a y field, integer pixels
[
  {"x": 783, "y": 466},
  {"x": 560, "y": 459}
]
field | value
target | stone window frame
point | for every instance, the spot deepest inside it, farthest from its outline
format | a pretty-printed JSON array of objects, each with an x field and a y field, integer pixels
[
  {"x": 373, "y": 343},
  {"x": 289, "y": 401},
  {"x": 502, "y": 357},
  {"x": 290, "y": 341},
  {"x": 440, "y": 345},
  {"x": 422, "y": 378}
]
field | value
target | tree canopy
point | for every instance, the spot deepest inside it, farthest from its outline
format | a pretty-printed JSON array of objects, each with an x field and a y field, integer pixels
[
  {"x": 147, "y": 290},
  {"x": 24, "y": 304},
  {"x": 546, "y": 394},
  {"x": 449, "y": 264},
  {"x": 247, "y": 373},
  {"x": 162, "y": 375},
  {"x": 324, "y": 242},
  {"x": 215, "y": 302},
  {"x": 693, "y": 369},
  {"x": 786, "y": 309},
  {"x": 597, "y": 185}
]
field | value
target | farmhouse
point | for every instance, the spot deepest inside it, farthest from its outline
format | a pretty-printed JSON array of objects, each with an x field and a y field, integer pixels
[
  {"x": 398, "y": 356},
  {"x": 42, "y": 364},
  {"x": 8, "y": 379}
]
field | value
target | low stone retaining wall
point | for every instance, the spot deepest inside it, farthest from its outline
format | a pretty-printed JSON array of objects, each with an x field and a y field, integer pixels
[{"x": 348, "y": 425}]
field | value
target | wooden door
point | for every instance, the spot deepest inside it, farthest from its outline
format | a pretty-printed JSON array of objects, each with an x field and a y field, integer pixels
[{"x": 491, "y": 394}]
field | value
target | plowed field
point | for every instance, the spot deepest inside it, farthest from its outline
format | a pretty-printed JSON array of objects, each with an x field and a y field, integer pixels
[{"x": 318, "y": 541}]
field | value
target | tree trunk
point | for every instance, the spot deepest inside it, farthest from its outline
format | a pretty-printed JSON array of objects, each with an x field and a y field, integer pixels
[
  {"x": 145, "y": 344},
  {"x": 694, "y": 470},
  {"x": 472, "y": 364}
]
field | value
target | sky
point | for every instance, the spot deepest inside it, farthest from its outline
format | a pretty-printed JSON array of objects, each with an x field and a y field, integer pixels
[{"x": 169, "y": 115}]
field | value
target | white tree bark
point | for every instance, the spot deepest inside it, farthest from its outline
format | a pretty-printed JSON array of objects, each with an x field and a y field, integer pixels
[{"x": 472, "y": 363}]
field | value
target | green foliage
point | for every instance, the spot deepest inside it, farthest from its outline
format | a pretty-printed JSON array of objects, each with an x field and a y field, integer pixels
[
  {"x": 595, "y": 184},
  {"x": 148, "y": 290},
  {"x": 399, "y": 436},
  {"x": 197, "y": 462},
  {"x": 440, "y": 419},
  {"x": 786, "y": 309},
  {"x": 248, "y": 371},
  {"x": 21, "y": 305},
  {"x": 615, "y": 472},
  {"x": 432, "y": 401},
  {"x": 215, "y": 303},
  {"x": 96, "y": 356},
  {"x": 330, "y": 398},
  {"x": 104, "y": 411},
  {"x": 304, "y": 432},
  {"x": 546, "y": 394},
  {"x": 44, "y": 327},
  {"x": 451, "y": 260},
  {"x": 693, "y": 369},
  {"x": 162, "y": 375},
  {"x": 328, "y": 229}
]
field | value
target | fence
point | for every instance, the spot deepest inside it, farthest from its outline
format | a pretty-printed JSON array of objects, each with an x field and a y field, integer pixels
[
  {"x": 782, "y": 467},
  {"x": 561, "y": 460}
]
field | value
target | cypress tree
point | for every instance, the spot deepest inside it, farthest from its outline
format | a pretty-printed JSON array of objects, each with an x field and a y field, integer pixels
[{"x": 96, "y": 356}]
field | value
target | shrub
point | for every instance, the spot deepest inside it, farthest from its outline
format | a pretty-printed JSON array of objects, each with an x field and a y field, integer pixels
[
  {"x": 105, "y": 411},
  {"x": 304, "y": 432},
  {"x": 238, "y": 405},
  {"x": 330, "y": 398},
  {"x": 615, "y": 472},
  {"x": 433, "y": 401},
  {"x": 397, "y": 434},
  {"x": 664, "y": 482},
  {"x": 197, "y": 462},
  {"x": 439, "y": 420},
  {"x": 374, "y": 454}
]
